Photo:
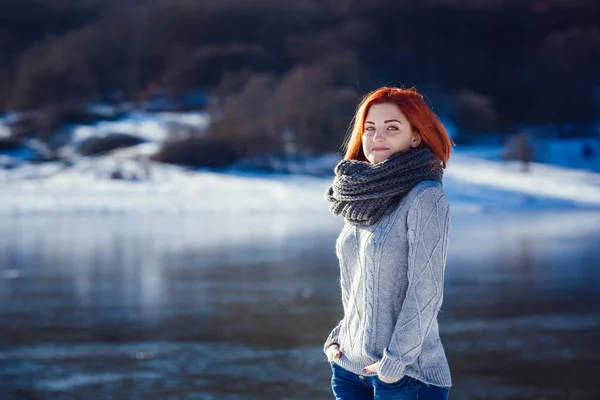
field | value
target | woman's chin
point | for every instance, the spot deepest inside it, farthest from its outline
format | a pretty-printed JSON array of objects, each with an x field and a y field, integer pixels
[
  {"x": 375, "y": 158},
  {"x": 379, "y": 158}
]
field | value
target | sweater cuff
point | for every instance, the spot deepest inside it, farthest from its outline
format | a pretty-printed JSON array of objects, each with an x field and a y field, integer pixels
[
  {"x": 390, "y": 366},
  {"x": 334, "y": 337},
  {"x": 329, "y": 342}
]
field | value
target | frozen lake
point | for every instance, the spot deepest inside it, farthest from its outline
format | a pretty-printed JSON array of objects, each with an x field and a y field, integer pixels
[{"x": 199, "y": 307}]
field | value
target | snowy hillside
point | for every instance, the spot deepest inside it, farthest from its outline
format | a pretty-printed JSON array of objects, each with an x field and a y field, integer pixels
[
  {"x": 477, "y": 180},
  {"x": 124, "y": 182}
]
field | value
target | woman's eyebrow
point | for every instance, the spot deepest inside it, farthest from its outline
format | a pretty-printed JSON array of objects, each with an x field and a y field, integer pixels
[{"x": 385, "y": 122}]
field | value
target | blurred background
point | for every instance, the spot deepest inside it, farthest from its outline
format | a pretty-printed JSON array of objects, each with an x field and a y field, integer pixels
[{"x": 163, "y": 165}]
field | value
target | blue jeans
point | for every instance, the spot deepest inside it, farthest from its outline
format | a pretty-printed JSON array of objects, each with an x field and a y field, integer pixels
[{"x": 349, "y": 386}]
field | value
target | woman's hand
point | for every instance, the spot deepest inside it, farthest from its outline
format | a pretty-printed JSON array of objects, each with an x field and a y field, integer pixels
[
  {"x": 374, "y": 368},
  {"x": 333, "y": 352}
]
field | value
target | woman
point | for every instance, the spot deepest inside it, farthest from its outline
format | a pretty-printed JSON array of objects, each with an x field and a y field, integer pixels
[{"x": 392, "y": 252}]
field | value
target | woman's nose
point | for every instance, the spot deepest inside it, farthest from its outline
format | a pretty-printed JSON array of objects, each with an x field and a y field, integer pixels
[{"x": 378, "y": 137}]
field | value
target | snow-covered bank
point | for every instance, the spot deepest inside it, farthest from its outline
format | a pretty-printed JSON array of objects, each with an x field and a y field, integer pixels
[
  {"x": 543, "y": 185},
  {"x": 151, "y": 127},
  {"x": 88, "y": 188},
  {"x": 473, "y": 184}
]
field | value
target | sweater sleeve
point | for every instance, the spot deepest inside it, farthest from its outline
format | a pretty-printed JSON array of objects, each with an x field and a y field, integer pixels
[
  {"x": 333, "y": 336},
  {"x": 428, "y": 231}
]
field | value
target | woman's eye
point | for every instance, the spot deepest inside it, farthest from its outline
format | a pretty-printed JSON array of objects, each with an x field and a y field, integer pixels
[
  {"x": 392, "y": 128},
  {"x": 369, "y": 130}
]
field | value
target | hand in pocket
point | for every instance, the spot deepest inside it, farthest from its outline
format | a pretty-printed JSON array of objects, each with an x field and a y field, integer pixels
[{"x": 333, "y": 352}]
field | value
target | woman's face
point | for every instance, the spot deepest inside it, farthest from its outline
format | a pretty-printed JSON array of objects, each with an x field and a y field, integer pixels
[{"x": 387, "y": 131}]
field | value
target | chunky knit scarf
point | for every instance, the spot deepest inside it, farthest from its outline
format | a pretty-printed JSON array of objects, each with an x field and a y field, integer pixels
[{"x": 363, "y": 192}]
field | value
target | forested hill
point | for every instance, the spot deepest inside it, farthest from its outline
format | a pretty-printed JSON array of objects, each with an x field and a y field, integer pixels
[{"x": 511, "y": 61}]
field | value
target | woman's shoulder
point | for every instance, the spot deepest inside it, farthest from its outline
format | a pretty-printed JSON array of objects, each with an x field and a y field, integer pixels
[
  {"x": 422, "y": 192},
  {"x": 425, "y": 189}
]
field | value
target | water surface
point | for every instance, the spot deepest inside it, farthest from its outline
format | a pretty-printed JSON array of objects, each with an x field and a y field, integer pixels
[{"x": 237, "y": 307}]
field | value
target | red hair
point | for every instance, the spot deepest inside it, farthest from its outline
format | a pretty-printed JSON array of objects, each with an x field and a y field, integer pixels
[{"x": 421, "y": 118}]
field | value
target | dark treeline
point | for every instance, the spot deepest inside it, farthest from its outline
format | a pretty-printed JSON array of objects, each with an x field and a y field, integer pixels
[{"x": 486, "y": 64}]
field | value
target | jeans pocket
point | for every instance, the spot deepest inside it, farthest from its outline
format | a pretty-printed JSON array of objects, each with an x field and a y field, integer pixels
[{"x": 404, "y": 381}]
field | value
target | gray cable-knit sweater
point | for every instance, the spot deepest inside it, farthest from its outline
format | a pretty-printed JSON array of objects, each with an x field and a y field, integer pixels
[{"x": 392, "y": 280}]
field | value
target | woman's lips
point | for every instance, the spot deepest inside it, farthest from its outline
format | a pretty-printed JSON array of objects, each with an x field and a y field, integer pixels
[{"x": 379, "y": 148}]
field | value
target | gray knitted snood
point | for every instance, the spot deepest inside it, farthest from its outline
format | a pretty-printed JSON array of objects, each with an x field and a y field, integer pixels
[{"x": 363, "y": 192}]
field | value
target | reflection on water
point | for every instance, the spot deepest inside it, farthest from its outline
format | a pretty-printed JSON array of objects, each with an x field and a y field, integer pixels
[{"x": 230, "y": 307}]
